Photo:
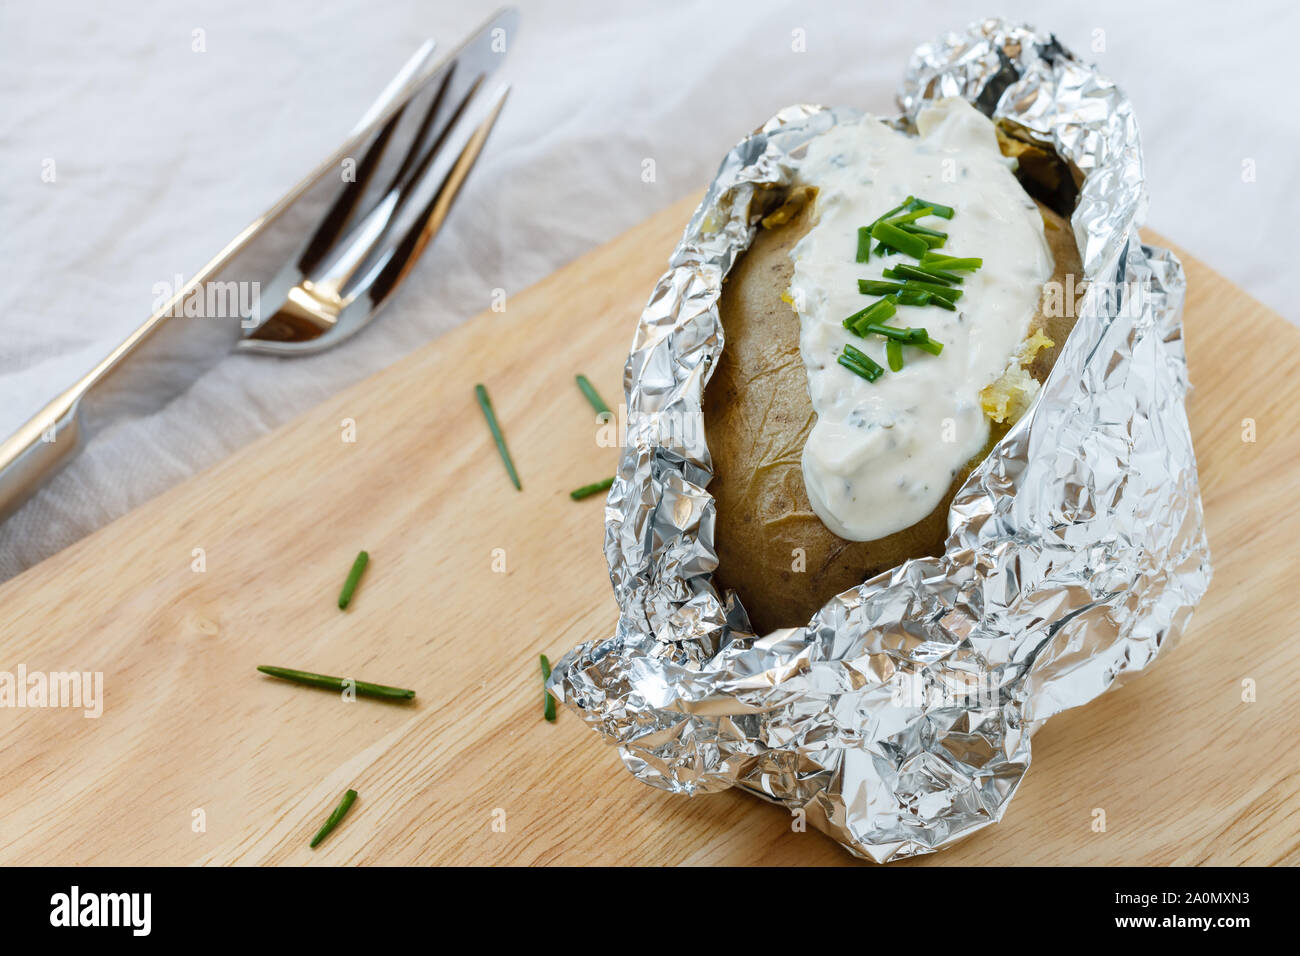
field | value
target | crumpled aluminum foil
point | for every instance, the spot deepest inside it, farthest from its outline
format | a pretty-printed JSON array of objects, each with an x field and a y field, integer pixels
[{"x": 900, "y": 718}]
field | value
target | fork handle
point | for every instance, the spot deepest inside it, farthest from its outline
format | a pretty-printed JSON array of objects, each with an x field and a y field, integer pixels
[{"x": 39, "y": 448}]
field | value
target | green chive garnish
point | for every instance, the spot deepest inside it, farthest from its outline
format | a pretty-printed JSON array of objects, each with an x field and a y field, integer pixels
[
  {"x": 548, "y": 702},
  {"x": 894, "y": 353},
  {"x": 875, "y": 287},
  {"x": 864, "y": 243},
  {"x": 939, "y": 300},
  {"x": 916, "y": 230},
  {"x": 936, "y": 209},
  {"x": 914, "y": 297},
  {"x": 593, "y": 396},
  {"x": 896, "y": 238},
  {"x": 870, "y": 372},
  {"x": 894, "y": 334},
  {"x": 382, "y": 691},
  {"x": 485, "y": 403},
  {"x": 937, "y": 261},
  {"x": 936, "y": 290},
  {"x": 927, "y": 274},
  {"x": 339, "y": 813},
  {"x": 586, "y": 491},
  {"x": 915, "y": 214},
  {"x": 878, "y": 311},
  {"x": 934, "y": 240},
  {"x": 928, "y": 345},
  {"x": 350, "y": 585}
]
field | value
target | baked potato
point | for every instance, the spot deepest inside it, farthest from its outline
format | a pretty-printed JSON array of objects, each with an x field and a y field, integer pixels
[{"x": 774, "y": 548}]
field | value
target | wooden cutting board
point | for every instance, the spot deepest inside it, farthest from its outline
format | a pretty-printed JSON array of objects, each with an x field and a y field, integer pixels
[{"x": 197, "y": 758}]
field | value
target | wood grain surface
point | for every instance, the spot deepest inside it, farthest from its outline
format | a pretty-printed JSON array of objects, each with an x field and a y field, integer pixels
[{"x": 1186, "y": 771}]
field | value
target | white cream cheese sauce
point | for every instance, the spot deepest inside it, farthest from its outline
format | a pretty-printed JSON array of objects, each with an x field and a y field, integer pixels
[{"x": 882, "y": 454}]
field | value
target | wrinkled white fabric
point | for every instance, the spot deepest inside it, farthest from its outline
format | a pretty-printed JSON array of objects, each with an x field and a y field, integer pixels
[{"x": 161, "y": 154}]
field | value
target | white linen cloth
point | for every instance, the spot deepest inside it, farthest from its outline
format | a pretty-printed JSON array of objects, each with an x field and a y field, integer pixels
[{"x": 162, "y": 151}]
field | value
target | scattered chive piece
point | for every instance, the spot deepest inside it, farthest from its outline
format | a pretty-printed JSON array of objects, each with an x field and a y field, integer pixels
[
  {"x": 894, "y": 353},
  {"x": 869, "y": 372},
  {"x": 333, "y": 820},
  {"x": 593, "y": 396},
  {"x": 915, "y": 214},
  {"x": 927, "y": 274},
  {"x": 928, "y": 345},
  {"x": 864, "y": 243},
  {"x": 548, "y": 702},
  {"x": 894, "y": 334},
  {"x": 928, "y": 236},
  {"x": 951, "y": 262},
  {"x": 382, "y": 691},
  {"x": 875, "y": 287},
  {"x": 586, "y": 491},
  {"x": 940, "y": 301},
  {"x": 883, "y": 250},
  {"x": 350, "y": 585},
  {"x": 915, "y": 297},
  {"x": 878, "y": 311},
  {"x": 935, "y": 290},
  {"x": 862, "y": 358},
  {"x": 485, "y": 403},
  {"x": 923, "y": 231},
  {"x": 914, "y": 246},
  {"x": 872, "y": 312},
  {"x": 905, "y": 204},
  {"x": 936, "y": 209}
]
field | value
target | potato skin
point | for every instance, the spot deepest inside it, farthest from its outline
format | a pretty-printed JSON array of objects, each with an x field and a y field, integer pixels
[{"x": 757, "y": 416}]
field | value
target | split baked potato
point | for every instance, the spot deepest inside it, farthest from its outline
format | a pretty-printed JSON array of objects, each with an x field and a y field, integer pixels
[{"x": 773, "y": 549}]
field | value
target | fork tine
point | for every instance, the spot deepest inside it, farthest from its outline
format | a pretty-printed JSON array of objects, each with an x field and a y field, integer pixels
[
  {"x": 340, "y": 211},
  {"x": 330, "y": 301},
  {"x": 422, "y": 210},
  {"x": 431, "y": 218}
]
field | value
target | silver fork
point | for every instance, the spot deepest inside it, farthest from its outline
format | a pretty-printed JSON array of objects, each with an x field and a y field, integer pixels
[{"x": 367, "y": 212}]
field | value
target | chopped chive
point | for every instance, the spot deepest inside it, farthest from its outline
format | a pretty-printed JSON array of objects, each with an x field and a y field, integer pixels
[
  {"x": 951, "y": 262},
  {"x": 864, "y": 243},
  {"x": 333, "y": 820},
  {"x": 586, "y": 491},
  {"x": 897, "y": 209},
  {"x": 940, "y": 301},
  {"x": 927, "y": 274},
  {"x": 593, "y": 396},
  {"x": 350, "y": 585},
  {"x": 860, "y": 364},
  {"x": 878, "y": 311},
  {"x": 894, "y": 353},
  {"x": 871, "y": 313},
  {"x": 915, "y": 214},
  {"x": 914, "y": 246},
  {"x": 363, "y": 689},
  {"x": 939, "y": 291},
  {"x": 923, "y": 231},
  {"x": 914, "y": 297},
  {"x": 916, "y": 337},
  {"x": 936, "y": 209},
  {"x": 859, "y": 356},
  {"x": 548, "y": 702},
  {"x": 928, "y": 236},
  {"x": 875, "y": 287},
  {"x": 895, "y": 334},
  {"x": 485, "y": 403}
]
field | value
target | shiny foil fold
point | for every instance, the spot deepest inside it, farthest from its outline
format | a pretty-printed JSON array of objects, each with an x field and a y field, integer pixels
[{"x": 900, "y": 718}]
